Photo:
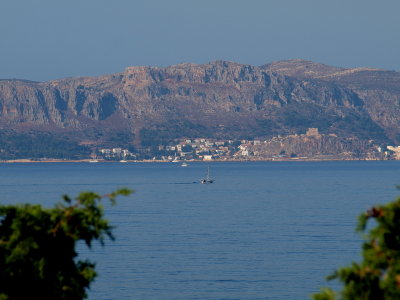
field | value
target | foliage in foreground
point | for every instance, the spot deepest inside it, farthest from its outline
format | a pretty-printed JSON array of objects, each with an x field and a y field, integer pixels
[
  {"x": 37, "y": 247},
  {"x": 377, "y": 277}
]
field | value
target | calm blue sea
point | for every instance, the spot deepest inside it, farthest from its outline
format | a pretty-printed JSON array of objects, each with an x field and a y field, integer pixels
[{"x": 263, "y": 230}]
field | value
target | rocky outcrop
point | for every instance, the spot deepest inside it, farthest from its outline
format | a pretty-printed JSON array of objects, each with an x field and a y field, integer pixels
[
  {"x": 218, "y": 100},
  {"x": 320, "y": 146}
]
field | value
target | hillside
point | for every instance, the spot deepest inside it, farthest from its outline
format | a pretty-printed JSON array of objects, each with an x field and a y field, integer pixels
[{"x": 223, "y": 100}]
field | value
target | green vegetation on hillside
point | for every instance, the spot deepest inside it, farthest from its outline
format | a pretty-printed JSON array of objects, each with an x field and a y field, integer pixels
[
  {"x": 39, "y": 145},
  {"x": 160, "y": 134}
]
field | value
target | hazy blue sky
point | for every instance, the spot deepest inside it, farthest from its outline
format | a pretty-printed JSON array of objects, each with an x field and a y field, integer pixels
[{"x": 49, "y": 39}]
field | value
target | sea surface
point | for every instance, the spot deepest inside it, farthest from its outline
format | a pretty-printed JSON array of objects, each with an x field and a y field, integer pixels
[{"x": 263, "y": 230}]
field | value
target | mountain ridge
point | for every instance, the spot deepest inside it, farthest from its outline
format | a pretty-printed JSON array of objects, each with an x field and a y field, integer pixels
[{"x": 221, "y": 99}]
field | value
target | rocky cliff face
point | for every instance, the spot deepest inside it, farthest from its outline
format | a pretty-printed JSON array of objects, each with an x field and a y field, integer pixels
[
  {"x": 378, "y": 89},
  {"x": 220, "y": 99}
]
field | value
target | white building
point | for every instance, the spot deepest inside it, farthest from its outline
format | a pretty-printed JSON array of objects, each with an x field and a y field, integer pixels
[{"x": 117, "y": 151}]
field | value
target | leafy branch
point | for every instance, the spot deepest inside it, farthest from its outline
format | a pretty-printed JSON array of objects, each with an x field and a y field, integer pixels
[{"x": 37, "y": 246}]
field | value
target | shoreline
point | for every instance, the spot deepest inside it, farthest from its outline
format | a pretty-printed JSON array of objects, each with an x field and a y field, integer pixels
[{"x": 168, "y": 161}]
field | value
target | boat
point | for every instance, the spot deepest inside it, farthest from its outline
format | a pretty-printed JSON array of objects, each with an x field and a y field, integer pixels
[
  {"x": 207, "y": 179},
  {"x": 123, "y": 161},
  {"x": 175, "y": 159},
  {"x": 93, "y": 161},
  {"x": 184, "y": 164}
]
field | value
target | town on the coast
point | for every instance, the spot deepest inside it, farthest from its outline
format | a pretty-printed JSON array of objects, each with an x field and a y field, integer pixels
[{"x": 308, "y": 146}]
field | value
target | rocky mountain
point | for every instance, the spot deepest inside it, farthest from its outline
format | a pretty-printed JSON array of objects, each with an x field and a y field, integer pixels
[
  {"x": 151, "y": 105},
  {"x": 378, "y": 89}
]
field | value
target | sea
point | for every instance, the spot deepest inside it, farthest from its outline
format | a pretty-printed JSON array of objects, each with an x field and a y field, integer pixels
[{"x": 262, "y": 230}]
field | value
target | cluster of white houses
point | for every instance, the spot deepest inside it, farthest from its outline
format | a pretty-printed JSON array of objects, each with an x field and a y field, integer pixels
[
  {"x": 197, "y": 149},
  {"x": 208, "y": 149},
  {"x": 116, "y": 153}
]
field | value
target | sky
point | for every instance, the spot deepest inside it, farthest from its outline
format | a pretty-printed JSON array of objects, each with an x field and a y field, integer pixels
[{"x": 51, "y": 39}]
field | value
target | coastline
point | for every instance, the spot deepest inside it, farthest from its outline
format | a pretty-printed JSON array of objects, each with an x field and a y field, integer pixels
[{"x": 303, "y": 159}]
